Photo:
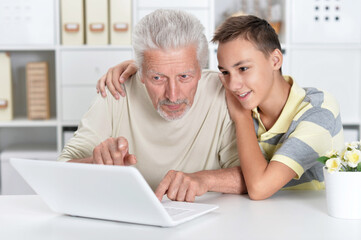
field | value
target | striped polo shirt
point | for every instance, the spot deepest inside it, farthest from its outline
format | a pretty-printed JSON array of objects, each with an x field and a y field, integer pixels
[{"x": 308, "y": 127}]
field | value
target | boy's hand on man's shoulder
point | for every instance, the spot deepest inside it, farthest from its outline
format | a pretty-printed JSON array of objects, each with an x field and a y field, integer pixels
[{"x": 115, "y": 77}]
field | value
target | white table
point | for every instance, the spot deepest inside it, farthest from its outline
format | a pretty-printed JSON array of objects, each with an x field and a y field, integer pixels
[{"x": 286, "y": 215}]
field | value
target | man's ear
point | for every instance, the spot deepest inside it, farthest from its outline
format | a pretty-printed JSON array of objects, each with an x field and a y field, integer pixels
[
  {"x": 199, "y": 71},
  {"x": 277, "y": 59},
  {"x": 141, "y": 74}
]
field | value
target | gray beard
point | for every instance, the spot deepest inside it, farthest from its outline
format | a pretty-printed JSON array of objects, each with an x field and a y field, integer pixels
[{"x": 172, "y": 118}]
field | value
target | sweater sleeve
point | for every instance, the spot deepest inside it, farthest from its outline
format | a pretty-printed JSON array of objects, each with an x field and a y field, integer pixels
[{"x": 94, "y": 127}]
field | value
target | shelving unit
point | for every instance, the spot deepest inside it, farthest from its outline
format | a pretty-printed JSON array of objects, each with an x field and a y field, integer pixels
[
  {"x": 74, "y": 70},
  {"x": 73, "y": 73},
  {"x": 324, "y": 43},
  {"x": 24, "y": 122},
  {"x": 322, "y": 53}
]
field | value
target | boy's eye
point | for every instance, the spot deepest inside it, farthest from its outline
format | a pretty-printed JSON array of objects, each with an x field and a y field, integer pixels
[
  {"x": 224, "y": 72},
  {"x": 243, "y": 69}
]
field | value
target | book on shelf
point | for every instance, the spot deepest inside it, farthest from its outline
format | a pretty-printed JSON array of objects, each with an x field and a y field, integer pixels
[
  {"x": 37, "y": 83},
  {"x": 6, "y": 95},
  {"x": 72, "y": 22},
  {"x": 96, "y": 18},
  {"x": 120, "y": 25}
]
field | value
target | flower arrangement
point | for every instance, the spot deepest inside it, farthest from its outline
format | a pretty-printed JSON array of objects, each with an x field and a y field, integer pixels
[{"x": 348, "y": 160}]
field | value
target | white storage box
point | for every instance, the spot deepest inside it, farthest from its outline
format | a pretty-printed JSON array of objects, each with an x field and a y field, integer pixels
[
  {"x": 120, "y": 25},
  {"x": 11, "y": 182},
  {"x": 78, "y": 80},
  {"x": 202, "y": 9},
  {"x": 96, "y": 18},
  {"x": 72, "y": 22},
  {"x": 28, "y": 22},
  {"x": 79, "y": 67},
  {"x": 334, "y": 70},
  {"x": 325, "y": 21},
  {"x": 76, "y": 101}
]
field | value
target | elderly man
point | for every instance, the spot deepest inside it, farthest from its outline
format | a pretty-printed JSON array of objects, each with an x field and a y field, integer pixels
[{"x": 174, "y": 119}]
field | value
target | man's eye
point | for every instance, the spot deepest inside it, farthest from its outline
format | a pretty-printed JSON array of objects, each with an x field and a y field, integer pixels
[
  {"x": 156, "y": 78},
  {"x": 185, "y": 77},
  {"x": 243, "y": 69}
]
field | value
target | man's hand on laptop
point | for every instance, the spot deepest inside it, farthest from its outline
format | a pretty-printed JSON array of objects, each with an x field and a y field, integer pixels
[
  {"x": 113, "y": 151},
  {"x": 182, "y": 186}
]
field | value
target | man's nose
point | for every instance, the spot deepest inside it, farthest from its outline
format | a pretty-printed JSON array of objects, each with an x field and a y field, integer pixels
[{"x": 172, "y": 91}]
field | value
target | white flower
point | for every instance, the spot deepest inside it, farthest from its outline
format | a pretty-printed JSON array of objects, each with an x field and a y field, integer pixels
[
  {"x": 333, "y": 165},
  {"x": 353, "y": 157},
  {"x": 331, "y": 153},
  {"x": 352, "y": 145},
  {"x": 342, "y": 156}
]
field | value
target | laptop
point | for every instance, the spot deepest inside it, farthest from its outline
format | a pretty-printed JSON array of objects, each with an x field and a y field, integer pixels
[{"x": 118, "y": 193}]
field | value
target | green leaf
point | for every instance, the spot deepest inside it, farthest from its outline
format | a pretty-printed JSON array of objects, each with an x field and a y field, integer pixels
[
  {"x": 323, "y": 159},
  {"x": 359, "y": 167}
]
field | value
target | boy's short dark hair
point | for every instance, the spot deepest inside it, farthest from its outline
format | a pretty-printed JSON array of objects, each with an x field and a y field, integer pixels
[{"x": 251, "y": 28}]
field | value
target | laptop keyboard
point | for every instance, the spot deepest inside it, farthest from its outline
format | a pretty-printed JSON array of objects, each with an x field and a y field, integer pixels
[
  {"x": 176, "y": 211},
  {"x": 177, "y": 208}
]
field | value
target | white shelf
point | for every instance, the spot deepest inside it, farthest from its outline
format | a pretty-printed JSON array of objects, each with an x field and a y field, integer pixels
[
  {"x": 23, "y": 122},
  {"x": 350, "y": 123},
  {"x": 325, "y": 46},
  {"x": 95, "y": 47},
  {"x": 70, "y": 123},
  {"x": 28, "y": 48}
]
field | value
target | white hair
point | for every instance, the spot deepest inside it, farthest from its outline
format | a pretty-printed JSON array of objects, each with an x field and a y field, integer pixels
[{"x": 169, "y": 29}]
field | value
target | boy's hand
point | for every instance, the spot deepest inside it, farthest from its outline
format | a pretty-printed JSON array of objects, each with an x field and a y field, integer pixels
[{"x": 115, "y": 77}]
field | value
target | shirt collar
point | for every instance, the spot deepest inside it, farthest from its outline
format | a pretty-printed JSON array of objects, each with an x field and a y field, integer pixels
[{"x": 295, "y": 98}]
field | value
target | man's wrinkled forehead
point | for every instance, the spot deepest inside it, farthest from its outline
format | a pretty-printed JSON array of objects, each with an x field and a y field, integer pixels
[{"x": 151, "y": 71}]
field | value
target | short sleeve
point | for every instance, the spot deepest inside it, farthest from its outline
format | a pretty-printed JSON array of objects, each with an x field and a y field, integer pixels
[{"x": 308, "y": 138}]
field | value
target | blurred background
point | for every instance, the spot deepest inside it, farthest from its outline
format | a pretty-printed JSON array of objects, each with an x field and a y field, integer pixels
[{"x": 52, "y": 52}]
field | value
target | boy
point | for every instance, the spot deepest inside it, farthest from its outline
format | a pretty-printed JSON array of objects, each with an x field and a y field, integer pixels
[{"x": 294, "y": 126}]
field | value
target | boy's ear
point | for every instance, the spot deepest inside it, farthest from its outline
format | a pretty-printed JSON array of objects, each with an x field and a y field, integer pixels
[{"x": 277, "y": 59}]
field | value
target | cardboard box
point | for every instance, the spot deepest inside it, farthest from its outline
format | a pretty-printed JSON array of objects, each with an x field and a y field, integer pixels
[
  {"x": 120, "y": 22},
  {"x": 37, "y": 82},
  {"x": 72, "y": 22},
  {"x": 96, "y": 17},
  {"x": 6, "y": 96}
]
